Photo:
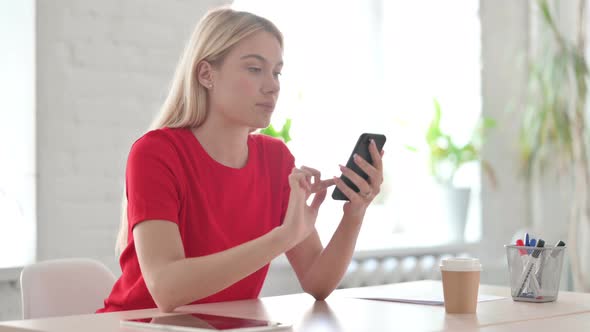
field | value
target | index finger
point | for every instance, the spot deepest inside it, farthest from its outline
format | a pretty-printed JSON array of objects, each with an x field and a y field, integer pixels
[
  {"x": 316, "y": 174},
  {"x": 322, "y": 185}
]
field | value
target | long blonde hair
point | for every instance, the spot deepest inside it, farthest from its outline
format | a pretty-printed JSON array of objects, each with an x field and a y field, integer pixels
[{"x": 186, "y": 103}]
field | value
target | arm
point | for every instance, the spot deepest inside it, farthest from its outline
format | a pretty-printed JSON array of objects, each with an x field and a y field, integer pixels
[
  {"x": 171, "y": 277},
  {"x": 320, "y": 270},
  {"x": 174, "y": 280}
]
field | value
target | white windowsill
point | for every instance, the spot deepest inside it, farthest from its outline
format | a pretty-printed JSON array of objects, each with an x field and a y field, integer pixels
[
  {"x": 417, "y": 250},
  {"x": 10, "y": 274},
  {"x": 400, "y": 251}
]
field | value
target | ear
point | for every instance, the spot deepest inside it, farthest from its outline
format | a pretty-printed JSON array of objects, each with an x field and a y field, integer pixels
[{"x": 205, "y": 74}]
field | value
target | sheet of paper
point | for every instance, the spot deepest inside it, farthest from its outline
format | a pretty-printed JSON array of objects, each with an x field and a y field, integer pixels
[{"x": 427, "y": 300}]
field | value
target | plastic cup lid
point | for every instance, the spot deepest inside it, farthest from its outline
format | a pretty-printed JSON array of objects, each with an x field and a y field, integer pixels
[{"x": 460, "y": 264}]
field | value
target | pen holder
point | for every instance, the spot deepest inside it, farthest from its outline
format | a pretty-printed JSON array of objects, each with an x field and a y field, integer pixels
[{"x": 534, "y": 272}]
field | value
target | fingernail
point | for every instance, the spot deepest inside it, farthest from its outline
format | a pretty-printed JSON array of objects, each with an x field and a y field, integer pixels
[
  {"x": 341, "y": 166},
  {"x": 355, "y": 156}
]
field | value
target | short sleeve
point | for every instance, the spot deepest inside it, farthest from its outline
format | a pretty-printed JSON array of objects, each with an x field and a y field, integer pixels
[
  {"x": 288, "y": 164},
  {"x": 153, "y": 190}
]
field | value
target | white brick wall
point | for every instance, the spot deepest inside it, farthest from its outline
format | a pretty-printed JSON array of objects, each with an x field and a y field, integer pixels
[
  {"x": 103, "y": 68},
  {"x": 10, "y": 307}
]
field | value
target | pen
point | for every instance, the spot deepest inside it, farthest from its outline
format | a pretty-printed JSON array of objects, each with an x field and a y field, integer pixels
[
  {"x": 539, "y": 273},
  {"x": 534, "y": 256},
  {"x": 522, "y": 253},
  {"x": 555, "y": 252},
  {"x": 532, "y": 243},
  {"x": 534, "y": 284},
  {"x": 520, "y": 243}
]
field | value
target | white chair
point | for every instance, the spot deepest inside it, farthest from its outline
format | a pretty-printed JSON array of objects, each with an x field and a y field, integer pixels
[{"x": 64, "y": 287}]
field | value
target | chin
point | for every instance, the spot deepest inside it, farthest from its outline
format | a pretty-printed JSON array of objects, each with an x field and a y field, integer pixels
[
  {"x": 258, "y": 122},
  {"x": 261, "y": 124}
]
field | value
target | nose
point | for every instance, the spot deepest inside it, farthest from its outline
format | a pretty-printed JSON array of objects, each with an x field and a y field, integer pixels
[{"x": 271, "y": 85}]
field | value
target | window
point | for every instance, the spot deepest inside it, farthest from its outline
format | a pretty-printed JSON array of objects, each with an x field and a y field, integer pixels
[
  {"x": 376, "y": 66},
  {"x": 17, "y": 134}
]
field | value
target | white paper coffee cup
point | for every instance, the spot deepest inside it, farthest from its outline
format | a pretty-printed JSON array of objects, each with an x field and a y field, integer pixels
[
  {"x": 459, "y": 264},
  {"x": 460, "y": 281}
]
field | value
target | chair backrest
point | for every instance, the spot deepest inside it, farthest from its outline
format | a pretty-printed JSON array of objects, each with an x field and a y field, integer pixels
[{"x": 64, "y": 287}]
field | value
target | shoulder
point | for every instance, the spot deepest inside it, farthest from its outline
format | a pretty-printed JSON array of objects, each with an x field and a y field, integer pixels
[
  {"x": 161, "y": 144},
  {"x": 273, "y": 151},
  {"x": 271, "y": 145},
  {"x": 158, "y": 140}
]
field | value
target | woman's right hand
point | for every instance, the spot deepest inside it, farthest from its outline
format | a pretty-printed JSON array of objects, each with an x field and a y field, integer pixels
[{"x": 300, "y": 217}]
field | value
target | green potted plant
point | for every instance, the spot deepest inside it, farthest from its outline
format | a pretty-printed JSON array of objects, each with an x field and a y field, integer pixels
[
  {"x": 282, "y": 134},
  {"x": 445, "y": 159},
  {"x": 554, "y": 136}
]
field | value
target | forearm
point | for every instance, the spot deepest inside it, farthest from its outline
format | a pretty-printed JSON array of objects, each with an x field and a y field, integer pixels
[
  {"x": 186, "y": 280},
  {"x": 329, "y": 267}
]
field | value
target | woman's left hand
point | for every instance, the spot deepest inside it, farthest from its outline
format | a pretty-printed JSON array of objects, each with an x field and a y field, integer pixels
[{"x": 368, "y": 189}]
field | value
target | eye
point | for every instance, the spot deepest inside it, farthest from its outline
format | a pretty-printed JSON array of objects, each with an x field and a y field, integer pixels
[
  {"x": 254, "y": 69},
  {"x": 277, "y": 74}
]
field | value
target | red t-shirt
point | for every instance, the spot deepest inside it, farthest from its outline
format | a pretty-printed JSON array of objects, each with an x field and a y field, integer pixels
[{"x": 171, "y": 177}]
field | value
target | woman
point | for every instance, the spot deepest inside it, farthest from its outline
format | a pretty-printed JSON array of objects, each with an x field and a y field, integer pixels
[{"x": 209, "y": 204}]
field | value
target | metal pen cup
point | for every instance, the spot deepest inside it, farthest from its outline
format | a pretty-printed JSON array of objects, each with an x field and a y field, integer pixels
[{"x": 534, "y": 272}]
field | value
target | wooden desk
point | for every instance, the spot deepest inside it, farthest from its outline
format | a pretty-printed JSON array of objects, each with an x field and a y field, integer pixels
[
  {"x": 343, "y": 313},
  {"x": 576, "y": 322}
]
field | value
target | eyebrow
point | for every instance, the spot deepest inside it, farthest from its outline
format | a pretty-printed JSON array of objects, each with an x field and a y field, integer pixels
[{"x": 258, "y": 57}]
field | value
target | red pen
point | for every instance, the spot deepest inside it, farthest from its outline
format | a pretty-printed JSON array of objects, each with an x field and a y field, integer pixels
[{"x": 520, "y": 243}]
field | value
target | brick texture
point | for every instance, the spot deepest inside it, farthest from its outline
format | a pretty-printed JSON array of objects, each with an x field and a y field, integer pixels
[{"x": 103, "y": 69}]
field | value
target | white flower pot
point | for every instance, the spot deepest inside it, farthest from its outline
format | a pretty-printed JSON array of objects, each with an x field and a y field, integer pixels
[{"x": 454, "y": 206}]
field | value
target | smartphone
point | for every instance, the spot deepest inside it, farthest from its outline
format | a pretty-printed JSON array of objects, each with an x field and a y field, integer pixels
[{"x": 362, "y": 149}]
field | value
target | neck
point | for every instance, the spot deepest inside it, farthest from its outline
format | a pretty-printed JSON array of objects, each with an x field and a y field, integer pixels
[{"x": 225, "y": 143}]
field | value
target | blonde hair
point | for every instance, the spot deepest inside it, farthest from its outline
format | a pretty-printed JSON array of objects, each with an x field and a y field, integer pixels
[{"x": 186, "y": 103}]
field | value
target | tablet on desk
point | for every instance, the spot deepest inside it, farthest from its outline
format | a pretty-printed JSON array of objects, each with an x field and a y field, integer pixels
[{"x": 204, "y": 323}]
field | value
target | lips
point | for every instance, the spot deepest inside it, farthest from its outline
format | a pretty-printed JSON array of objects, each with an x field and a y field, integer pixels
[{"x": 268, "y": 106}]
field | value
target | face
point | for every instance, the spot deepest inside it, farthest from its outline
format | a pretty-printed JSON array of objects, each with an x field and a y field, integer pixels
[{"x": 246, "y": 84}]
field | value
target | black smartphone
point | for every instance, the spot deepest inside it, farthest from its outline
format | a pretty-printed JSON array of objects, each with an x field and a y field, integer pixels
[{"x": 362, "y": 149}]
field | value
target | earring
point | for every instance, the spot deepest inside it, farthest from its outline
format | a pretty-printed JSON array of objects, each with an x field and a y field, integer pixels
[{"x": 210, "y": 85}]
